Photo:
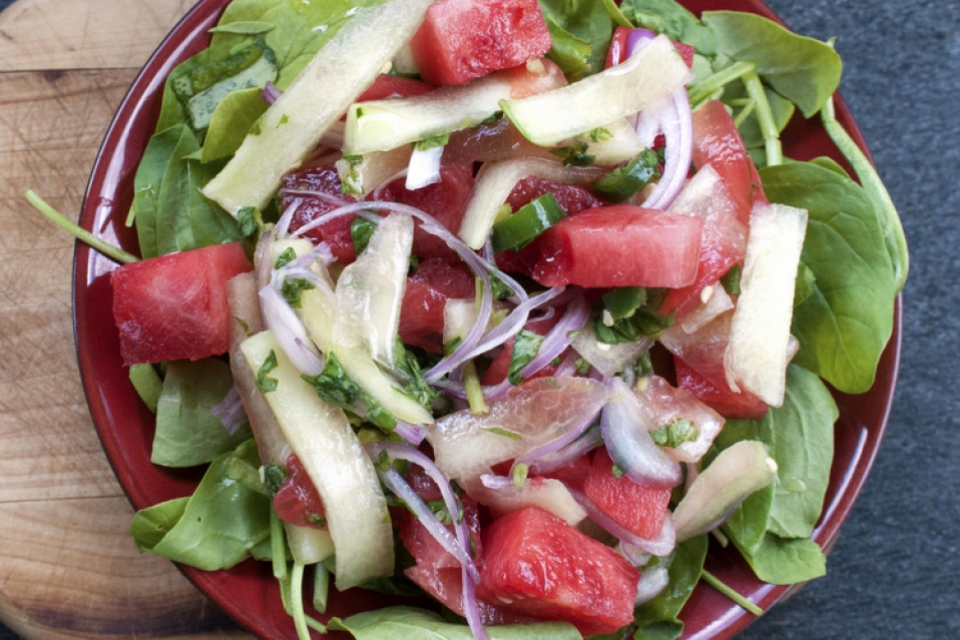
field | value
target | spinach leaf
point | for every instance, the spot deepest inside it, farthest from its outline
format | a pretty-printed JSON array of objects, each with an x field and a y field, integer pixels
[
  {"x": 844, "y": 324},
  {"x": 185, "y": 218},
  {"x": 299, "y": 29},
  {"x": 146, "y": 188},
  {"x": 786, "y": 561},
  {"x": 781, "y": 108},
  {"x": 222, "y": 523},
  {"x": 804, "y": 451},
  {"x": 408, "y": 623},
  {"x": 581, "y": 32},
  {"x": 231, "y": 120},
  {"x": 657, "y": 618},
  {"x": 669, "y": 17},
  {"x": 187, "y": 433},
  {"x": 802, "y": 70}
]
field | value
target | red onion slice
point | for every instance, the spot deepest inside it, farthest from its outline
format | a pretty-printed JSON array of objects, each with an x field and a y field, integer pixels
[
  {"x": 550, "y": 461},
  {"x": 270, "y": 93},
  {"x": 626, "y": 425},
  {"x": 671, "y": 117},
  {"x": 230, "y": 411},
  {"x": 289, "y": 331}
]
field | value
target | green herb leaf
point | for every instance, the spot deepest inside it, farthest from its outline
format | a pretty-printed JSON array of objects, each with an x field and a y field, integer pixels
[
  {"x": 659, "y": 615},
  {"x": 624, "y": 182},
  {"x": 293, "y": 288},
  {"x": 287, "y": 256},
  {"x": 580, "y": 32},
  {"x": 675, "y": 433},
  {"x": 670, "y": 17},
  {"x": 265, "y": 383},
  {"x": 333, "y": 385},
  {"x": 506, "y": 433},
  {"x": 361, "y": 230},
  {"x": 525, "y": 349},
  {"x": 575, "y": 154},
  {"x": 249, "y": 222},
  {"x": 646, "y": 321}
]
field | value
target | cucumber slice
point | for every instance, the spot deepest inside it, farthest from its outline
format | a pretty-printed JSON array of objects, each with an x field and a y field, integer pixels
[
  {"x": 314, "y": 101},
  {"x": 381, "y": 125},
  {"x": 756, "y": 358},
  {"x": 649, "y": 75},
  {"x": 495, "y": 183},
  {"x": 333, "y": 458},
  {"x": 362, "y": 174}
]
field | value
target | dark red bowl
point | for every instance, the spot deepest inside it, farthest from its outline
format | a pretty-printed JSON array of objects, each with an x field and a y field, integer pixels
[{"x": 248, "y": 592}]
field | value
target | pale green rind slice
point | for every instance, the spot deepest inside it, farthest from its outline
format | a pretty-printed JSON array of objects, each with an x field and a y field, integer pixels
[
  {"x": 737, "y": 472},
  {"x": 334, "y": 78},
  {"x": 321, "y": 437},
  {"x": 649, "y": 75},
  {"x": 757, "y": 355}
]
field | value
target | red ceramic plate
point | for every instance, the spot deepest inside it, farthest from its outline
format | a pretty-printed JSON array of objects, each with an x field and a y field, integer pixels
[{"x": 248, "y": 592}]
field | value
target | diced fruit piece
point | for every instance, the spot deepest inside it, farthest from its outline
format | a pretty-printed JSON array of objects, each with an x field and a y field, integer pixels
[
  {"x": 297, "y": 500},
  {"x": 444, "y": 200},
  {"x": 539, "y": 411},
  {"x": 465, "y": 39},
  {"x": 174, "y": 307},
  {"x": 757, "y": 355},
  {"x": 292, "y": 126},
  {"x": 572, "y": 198},
  {"x": 651, "y": 74},
  {"x": 428, "y": 289},
  {"x": 717, "y": 142},
  {"x": 325, "y": 181},
  {"x": 390, "y": 86},
  {"x": 535, "y": 563},
  {"x": 686, "y": 426},
  {"x": 620, "y": 246},
  {"x": 502, "y": 496},
  {"x": 636, "y": 507},
  {"x": 722, "y": 400},
  {"x": 722, "y": 244},
  {"x": 500, "y": 366}
]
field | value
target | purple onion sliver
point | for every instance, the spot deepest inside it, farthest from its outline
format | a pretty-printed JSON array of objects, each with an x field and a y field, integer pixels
[
  {"x": 230, "y": 411},
  {"x": 661, "y": 546},
  {"x": 410, "y": 454},
  {"x": 289, "y": 331},
  {"x": 471, "y": 611},
  {"x": 678, "y": 131},
  {"x": 552, "y": 447},
  {"x": 564, "y": 456},
  {"x": 412, "y": 433},
  {"x": 270, "y": 93},
  {"x": 636, "y": 39},
  {"x": 283, "y": 224},
  {"x": 428, "y": 518}
]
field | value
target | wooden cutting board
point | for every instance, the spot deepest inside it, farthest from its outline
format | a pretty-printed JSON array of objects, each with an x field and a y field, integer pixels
[{"x": 68, "y": 568}]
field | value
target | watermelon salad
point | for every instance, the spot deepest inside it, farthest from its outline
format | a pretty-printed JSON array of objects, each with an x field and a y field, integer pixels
[{"x": 511, "y": 305}]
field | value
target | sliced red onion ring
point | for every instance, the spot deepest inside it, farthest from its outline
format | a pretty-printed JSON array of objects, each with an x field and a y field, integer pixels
[
  {"x": 412, "y": 433},
  {"x": 671, "y": 117},
  {"x": 471, "y": 610},
  {"x": 626, "y": 426},
  {"x": 565, "y": 455},
  {"x": 337, "y": 201},
  {"x": 554, "y": 344},
  {"x": 270, "y": 93},
  {"x": 662, "y": 545},
  {"x": 471, "y": 346},
  {"x": 289, "y": 331},
  {"x": 230, "y": 411},
  {"x": 459, "y": 546}
]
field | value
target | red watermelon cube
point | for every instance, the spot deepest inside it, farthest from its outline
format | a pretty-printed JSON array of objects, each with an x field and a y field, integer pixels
[
  {"x": 465, "y": 39},
  {"x": 174, "y": 307}
]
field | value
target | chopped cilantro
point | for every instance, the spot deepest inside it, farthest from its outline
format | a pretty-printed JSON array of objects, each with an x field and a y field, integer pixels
[
  {"x": 525, "y": 349},
  {"x": 286, "y": 257},
  {"x": 506, "y": 433},
  {"x": 265, "y": 383},
  {"x": 361, "y": 230},
  {"x": 675, "y": 433},
  {"x": 293, "y": 288},
  {"x": 432, "y": 142},
  {"x": 249, "y": 221},
  {"x": 274, "y": 475},
  {"x": 333, "y": 385},
  {"x": 575, "y": 154},
  {"x": 731, "y": 280},
  {"x": 645, "y": 321}
]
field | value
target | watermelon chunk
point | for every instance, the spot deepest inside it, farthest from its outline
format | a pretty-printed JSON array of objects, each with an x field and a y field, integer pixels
[
  {"x": 465, "y": 39},
  {"x": 174, "y": 307}
]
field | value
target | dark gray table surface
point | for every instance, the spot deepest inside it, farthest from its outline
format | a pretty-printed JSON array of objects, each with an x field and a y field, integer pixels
[{"x": 893, "y": 571}]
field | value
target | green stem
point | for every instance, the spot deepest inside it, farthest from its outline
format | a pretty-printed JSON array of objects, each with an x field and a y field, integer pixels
[
  {"x": 745, "y": 113},
  {"x": 616, "y": 14},
  {"x": 768, "y": 126},
  {"x": 701, "y": 91},
  {"x": 887, "y": 215},
  {"x": 715, "y": 582},
  {"x": 107, "y": 249},
  {"x": 321, "y": 587},
  {"x": 471, "y": 384},
  {"x": 278, "y": 547}
]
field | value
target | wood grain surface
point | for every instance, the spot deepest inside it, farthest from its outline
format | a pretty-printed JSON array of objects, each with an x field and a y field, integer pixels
[{"x": 68, "y": 568}]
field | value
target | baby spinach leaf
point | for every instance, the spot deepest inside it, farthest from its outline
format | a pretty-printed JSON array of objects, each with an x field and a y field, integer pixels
[
  {"x": 802, "y": 70},
  {"x": 243, "y": 28},
  {"x": 657, "y": 618},
  {"x": 408, "y": 623},
  {"x": 230, "y": 122},
  {"x": 844, "y": 324},
  {"x": 146, "y": 188},
  {"x": 804, "y": 435},
  {"x": 581, "y": 32},
  {"x": 187, "y": 433},
  {"x": 786, "y": 561},
  {"x": 668, "y": 16},
  {"x": 299, "y": 30},
  {"x": 215, "y": 528},
  {"x": 185, "y": 218}
]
